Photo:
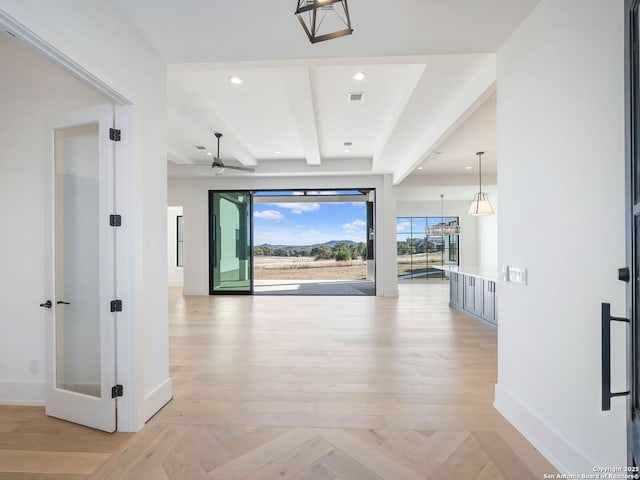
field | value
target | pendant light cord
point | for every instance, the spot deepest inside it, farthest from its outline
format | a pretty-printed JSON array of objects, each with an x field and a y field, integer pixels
[{"x": 480, "y": 171}]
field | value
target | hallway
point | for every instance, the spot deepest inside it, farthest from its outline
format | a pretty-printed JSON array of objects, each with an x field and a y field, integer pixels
[{"x": 323, "y": 387}]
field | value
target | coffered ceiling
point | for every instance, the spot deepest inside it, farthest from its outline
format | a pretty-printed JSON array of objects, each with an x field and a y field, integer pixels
[{"x": 429, "y": 67}]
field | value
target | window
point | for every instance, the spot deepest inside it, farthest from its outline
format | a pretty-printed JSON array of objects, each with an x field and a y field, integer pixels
[
  {"x": 419, "y": 254},
  {"x": 179, "y": 242}
]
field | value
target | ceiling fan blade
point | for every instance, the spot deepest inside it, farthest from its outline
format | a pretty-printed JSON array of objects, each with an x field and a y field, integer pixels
[
  {"x": 244, "y": 169},
  {"x": 209, "y": 166}
]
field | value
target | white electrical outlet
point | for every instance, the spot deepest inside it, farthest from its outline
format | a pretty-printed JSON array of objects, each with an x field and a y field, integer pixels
[
  {"x": 517, "y": 275},
  {"x": 34, "y": 366}
]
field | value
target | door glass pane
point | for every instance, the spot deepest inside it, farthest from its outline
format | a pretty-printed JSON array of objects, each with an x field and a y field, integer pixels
[
  {"x": 77, "y": 279},
  {"x": 179, "y": 241},
  {"x": 231, "y": 242}
]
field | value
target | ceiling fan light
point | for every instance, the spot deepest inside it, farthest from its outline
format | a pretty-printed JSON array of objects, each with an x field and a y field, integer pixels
[{"x": 217, "y": 169}]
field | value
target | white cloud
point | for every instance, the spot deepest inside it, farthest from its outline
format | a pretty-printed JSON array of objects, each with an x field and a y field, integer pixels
[
  {"x": 269, "y": 215},
  {"x": 298, "y": 208},
  {"x": 355, "y": 225},
  {"x": 402, "y": 226}
]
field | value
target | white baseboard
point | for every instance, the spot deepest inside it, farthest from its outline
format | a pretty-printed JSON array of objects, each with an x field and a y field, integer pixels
[
  {"x": 545, "y": 438},
  {"x": 157, "y": 399},
  {"x": 22, "y": 393}
]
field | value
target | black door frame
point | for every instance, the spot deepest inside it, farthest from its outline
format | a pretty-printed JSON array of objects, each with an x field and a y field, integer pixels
[
  {"x": 632, "y": 195},
  {"x": 212, "y": 243}
]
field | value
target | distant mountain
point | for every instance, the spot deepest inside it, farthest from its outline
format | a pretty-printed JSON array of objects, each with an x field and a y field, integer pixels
[{"x": 330, "y": 244}]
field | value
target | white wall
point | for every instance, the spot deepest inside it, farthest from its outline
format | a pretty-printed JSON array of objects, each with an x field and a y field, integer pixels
[
  {"x": 561, "y": 187},
  {"x": 26, "y": 104},
  {"x": 478, "y": 237},
  {"x": 192, "y": 194},
  {"x": 175, "y": 273},
  {"x": 101, "y": 41},
  {"x": 488, "y": 235}
]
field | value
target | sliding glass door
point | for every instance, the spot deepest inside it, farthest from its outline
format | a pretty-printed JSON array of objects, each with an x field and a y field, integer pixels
[{"x": 230, "y": 269}]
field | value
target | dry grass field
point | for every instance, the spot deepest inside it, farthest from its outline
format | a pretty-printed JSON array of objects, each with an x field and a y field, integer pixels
[
  {"x": 419, "y": 261},
  {"x": 307, "y": 268}
]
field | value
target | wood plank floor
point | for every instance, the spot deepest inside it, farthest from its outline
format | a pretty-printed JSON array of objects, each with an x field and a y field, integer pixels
[{"x": 302, "y": 388}]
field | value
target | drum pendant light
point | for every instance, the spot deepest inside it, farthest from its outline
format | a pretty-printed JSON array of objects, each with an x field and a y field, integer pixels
[{"x": 480, "y": 204}]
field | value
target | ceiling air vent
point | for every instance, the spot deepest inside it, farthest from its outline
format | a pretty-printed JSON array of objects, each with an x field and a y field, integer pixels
[
  {"x": 200, "y": 147},
  {"x": 356, "y": 97}
]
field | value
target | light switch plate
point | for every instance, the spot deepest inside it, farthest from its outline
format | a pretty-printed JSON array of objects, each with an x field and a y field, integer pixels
[
  {"x": 505, "y": 273},
  {"x": 518, "y": 275}
]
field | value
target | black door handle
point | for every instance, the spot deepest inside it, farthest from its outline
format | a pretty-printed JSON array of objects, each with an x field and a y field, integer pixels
[
  {"x": 47, "y": 304},
  {"x": 63, "y": 303},
  {"x": 607, "y": 394},
  {"x": 624, "y": 274}
]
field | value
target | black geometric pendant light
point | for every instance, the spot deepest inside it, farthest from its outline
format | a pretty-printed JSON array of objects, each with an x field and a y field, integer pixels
[{"x": 324, "y": 19}]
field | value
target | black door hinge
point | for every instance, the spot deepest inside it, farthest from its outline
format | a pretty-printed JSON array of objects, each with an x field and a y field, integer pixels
[
  {"x": 115, "y": 220},
  {"x": 115, "y": 134},
  {"x": 116, "y": 305},
  {"x": 117, "y": 391}
]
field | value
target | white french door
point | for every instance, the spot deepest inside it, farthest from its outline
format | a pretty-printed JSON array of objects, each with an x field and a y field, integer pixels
[{"x": 80, "y": 333}]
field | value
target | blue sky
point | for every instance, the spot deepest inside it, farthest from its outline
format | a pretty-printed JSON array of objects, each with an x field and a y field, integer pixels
[{"x": 308, "y": 223}]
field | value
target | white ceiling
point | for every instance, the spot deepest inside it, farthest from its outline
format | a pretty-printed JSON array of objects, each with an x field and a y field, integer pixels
[{"x": 429, "y": 65}]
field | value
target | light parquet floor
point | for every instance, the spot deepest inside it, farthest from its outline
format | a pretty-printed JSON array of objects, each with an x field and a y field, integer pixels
[{"x": 302, "y": 388}]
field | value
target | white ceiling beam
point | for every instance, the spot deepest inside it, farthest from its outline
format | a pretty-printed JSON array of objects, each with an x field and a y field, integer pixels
[
  {"x": 297, "y": 84},
  {"x": 481, "y": 86},
  {"x": 378, "y": 162},
  {"x": 177, "y": 158}
]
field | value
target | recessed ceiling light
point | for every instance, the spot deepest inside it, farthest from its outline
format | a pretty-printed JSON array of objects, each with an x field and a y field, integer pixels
[
  {"x": 358, "y": 76},
  {"x": 420, "y": 168},
  {"x": 277, "y": 152},
  {"x": 209, "y": 153},
  {"x": 347, "y": 150},
  {"x": 236, "y": 80},
  {"x": 468, "y": 168}
]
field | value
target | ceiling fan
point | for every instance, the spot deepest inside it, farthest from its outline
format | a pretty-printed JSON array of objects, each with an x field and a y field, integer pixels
[{"x": 218, "y": 166}]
